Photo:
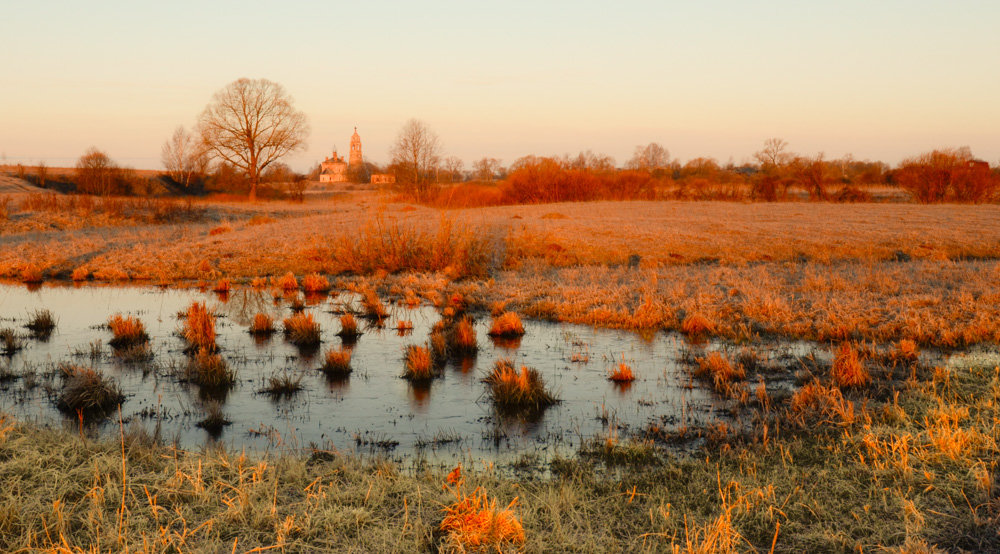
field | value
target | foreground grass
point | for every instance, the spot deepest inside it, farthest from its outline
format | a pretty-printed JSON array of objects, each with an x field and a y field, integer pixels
[{"x": 897, "y": 472}]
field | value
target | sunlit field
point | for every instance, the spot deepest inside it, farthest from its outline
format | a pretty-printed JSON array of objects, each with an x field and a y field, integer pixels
[{"x": 358, "y": 372}]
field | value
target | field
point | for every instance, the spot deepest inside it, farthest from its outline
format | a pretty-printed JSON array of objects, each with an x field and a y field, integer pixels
[{"x": 888, "y": 443}]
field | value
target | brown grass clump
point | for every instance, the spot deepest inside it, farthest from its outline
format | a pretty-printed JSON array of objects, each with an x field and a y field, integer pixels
[
  {"x": 697, "y": 325},
  {"x": 507, "y": 325},
  {"x": 348, "y": 327},
  {"x": 262, "y": 325},
  {"x": 80, "y": 274},
  {"x": 199, "y": 328},
  {"x": 816, "y": 401},
  {"x": 474, "y": 523},
  {"x": 721, "y": 371},
  {"x": 314, "y": 282},
  {"x": 288, "y": 282},
  {"x": 906, "y": 350},
  {"x": 419, "y": 365},
  {"x": 282, "y": 386},
  {"x": 215, "y": 419},
  {"x": 31, "y": 274},
  {"x": 41, "y": 324},
  {"x": 848, "y": 370},
  {"x": 127, "y": 331},
  {"x": 209, "y": 370},
  {"x": 622, "y": 373},
  {"x": 88, "y": 392},
  {"x": 260, "y": 220},
  {"x": 514, "y": 390},
  {"x": 302, "y": 330},
  {"x": 337, "y": 363},
  {"x": 372, "y": 306},
  {"x": 10, "y": 342},
  {"x": 462, "y": 338}
]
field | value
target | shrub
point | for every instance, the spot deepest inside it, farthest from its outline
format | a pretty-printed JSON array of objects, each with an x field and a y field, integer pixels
[
  {"x": 507, "y": 325},
  {"x": 512, "y": 390},
  {"x": 337, "y": 363},
  {"x": 199, "y": 328},
  {"x": 848, "y": 370},
  {"x": 127, "y": 331},
  {"x": 302, "y": 330},
  {"x": 88, "y": 392}
]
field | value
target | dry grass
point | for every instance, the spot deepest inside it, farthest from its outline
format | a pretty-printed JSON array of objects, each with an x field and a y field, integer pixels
[
  {"x": 462, "y": 338},
  {"x": 315, "y": 283},
  {"x": 518, "y": 391},
  {"x": 337, "y": 363},
  {"x": 475, "y": 523},
  {"x": 80, "y": 274},
  {"x": 507, "y": 325},
  {"x": 41, "y": 323},
  {"x": 31, "y": 274},
  {"x": 262, "y": 325},
  {"x": 223, "y": 286},
  {"x": 697, "y": 326},
  {"x": 287, "y": 282},
  {"x": 127, "y": 331},
  {"x": 88, "y": 392},
  {"x": 372, "y": 306},
  {"x": 302, "y": 330},
  {"x": 282, "y": 386},
  {"x": 622, "y": 373},
  {"x": 848, "y": 368},
  {"x": 348, "y": 328},
  {"x": 719, "y": 370},
  {"x": 418, "y": 364},
  {"x": 199, "y": 328},
  {"x": 10, "y": 342},
  {"x": 209, "y": 371}
]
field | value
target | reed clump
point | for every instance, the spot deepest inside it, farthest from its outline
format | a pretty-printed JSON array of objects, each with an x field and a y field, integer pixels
[
  {"x": 223, "y": 286},
  {"x": 507, "y": 325},
  {"x": 31, "y": 274},
  {"x": 462, "y": 338},
  {"x": 199, "y": 328},
  {"x": 215, "y": 419},
  {"x": 88, "y": 392},
  {"x": 419, "y": 364},
  {"x": 337, "y": 363},
  {"x": 348, "y": 328},
  {"x": 41, "y": 323},
  {"x": 262, "y": 325},
  {"x": 10, "y": 342},
  {"x": 80, "y": 274},
  {"x": 302, "y": 330},
  {"x": 475, "y": 522},
  {"x": 209, "y": 370},
  {"x": 127, "y": 331},
  {"x": 848, "y": 369},
  {"x": 372, "y": 306},
  {"x": 315, "y": 283},
  {"x": 287, "y": 282},
  {"x": 622, "y": 373},
  {"x": 282, "y": 385},
  {"x": 513, "y": 390}
]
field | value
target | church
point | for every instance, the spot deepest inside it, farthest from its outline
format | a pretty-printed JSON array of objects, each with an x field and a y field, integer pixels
[{"x": 334, "y": 168}]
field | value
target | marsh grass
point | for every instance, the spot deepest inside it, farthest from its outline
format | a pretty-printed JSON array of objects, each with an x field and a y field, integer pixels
[
  {"x": 127, "y": 331},
  {"x": 302, "y": 330},
  {"x": 371, "y": 305},
  {"x": 621, "y": 373},
  {"x": 209, "y": 371},
  {"x": 262, "y": 325},
  {"x": 133, "y": 353},
  {"x": 282, "y": 386},
  {"x": 507, "y": 326},
  {"x": 418, "y": 364},
  {"x": 462, "y": 338},
  {"x": 41, "y": 324},
  {"x": 315, "y": 283},
  {"x": 88, "y": 392},
  {"x": 348, "y": 328},
  {"x": 848, "y": 368},
  {"x": 287, "y": 282},
  {"x": 337, "y": 363},
  {"x": 198, "y": 328},
  {"x": 10, "y": 342},
  {"x": 518, "y": 391},
  {"x": 215, "y": 419}
]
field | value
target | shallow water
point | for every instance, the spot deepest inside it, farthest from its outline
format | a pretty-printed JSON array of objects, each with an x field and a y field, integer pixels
[{"x": 374, "y": 409}]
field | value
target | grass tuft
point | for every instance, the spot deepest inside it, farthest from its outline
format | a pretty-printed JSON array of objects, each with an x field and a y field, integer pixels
[
  {"x": 337, "y": 363},
  {"x": 288, "y": 282},
  {"x": 848, "y": 369},
  {"x": 209, "y": 370},
  {"x": 281, "y": 386},
  {"x": 41, "y": 324},
  {"x": 348, "y": 328},
  {"x": 419, "y": 364},
  {"x": 127, "y": 331},
  {"x": 262, "y": 325},
  {"x": 507, "y": 325},
  {"x": 513, "y": 390},
  {"x": 88, "y": 392},
  {"x": 697, "y": 325},
  {"x": 622, "y": 373},
  {"x": 302, "y": 330},
  {"x": 462, "y": 338},
  {"x": 31, "y": 274},
  {"x": 215, "y": 419},
  {"x": 199, "y": 328},
  {"x": 314, "y": 283}
]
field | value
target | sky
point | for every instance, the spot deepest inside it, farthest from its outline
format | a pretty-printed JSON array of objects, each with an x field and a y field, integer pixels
[{"x": 877, "y": 79}]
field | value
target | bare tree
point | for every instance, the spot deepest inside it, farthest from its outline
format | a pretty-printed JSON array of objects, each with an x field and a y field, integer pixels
[
  {"x": 184, "y": 157},
  {"x": 96, "y": 173},
  {"x": 486, "y": 169},
  {"x": 773, "y": 154},
  {"x": 250, "y": 124},
  {"x": 416, "y": 152},
  {"x": 453, "y": 166},
  {"x": 650, "y": 157}
]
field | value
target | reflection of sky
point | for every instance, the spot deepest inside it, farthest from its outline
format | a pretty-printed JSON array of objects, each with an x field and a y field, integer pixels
[{"x": 879, "y": 79}]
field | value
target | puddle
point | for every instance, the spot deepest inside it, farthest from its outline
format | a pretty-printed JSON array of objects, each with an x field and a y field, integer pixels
[{"x": 374, "y": 409}]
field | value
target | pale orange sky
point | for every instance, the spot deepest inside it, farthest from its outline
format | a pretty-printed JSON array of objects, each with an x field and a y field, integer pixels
[{"x": 508, "y": 79}]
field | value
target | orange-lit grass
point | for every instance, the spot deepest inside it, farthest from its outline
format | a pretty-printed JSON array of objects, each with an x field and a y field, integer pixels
[
  {"x": 622, "y": 373},
  {"x": 720, "y": 370},
  {"x": 462, "y": 338},
  {"x": 348, "y": 327},
  {"x": 262, "y": 325},
  {"x": 816, "y": 401},
  {"x": 302, "y": 330},
  {"x": 507, "y": 325},
  {"x": 223, "y": 286},
  {"x": 287, "y": 282},
  {"x": 906, "y": 350},
  {"x": 475, "y": 523},
  {"x": 418, "y": 364},
  {"x": 209, "y": 370},
  {"x": 31, "y": 274},
  {"x": 80, "y": 274},
  {"x": 371, "y": 305},
  {"x": 697, "y": 325},
  {"x": 517, "y": 390},
  {"x": 314, "y": 283},
  {"x": 848, "y": 369},
  {"x": 199, "y": 328},
  {"x": 337, "y": 363},
  {"x": 127, "y": 331}
]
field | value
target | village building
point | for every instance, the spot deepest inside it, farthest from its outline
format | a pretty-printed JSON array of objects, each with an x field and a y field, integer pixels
[{"x": 334, "y": 169}]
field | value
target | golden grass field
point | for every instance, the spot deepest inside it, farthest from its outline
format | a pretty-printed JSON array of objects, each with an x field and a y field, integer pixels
[{"x": 878, "y": 450}]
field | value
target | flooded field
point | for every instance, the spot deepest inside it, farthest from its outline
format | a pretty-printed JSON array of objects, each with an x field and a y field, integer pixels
[{"x": 373, "y": 409}]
